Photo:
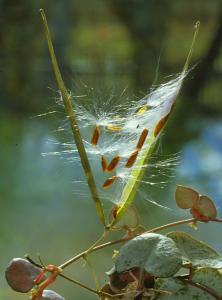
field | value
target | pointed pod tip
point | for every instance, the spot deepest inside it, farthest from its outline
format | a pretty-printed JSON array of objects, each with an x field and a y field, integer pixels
[
  {"x": 42, "y": 12},
  {"x": 197, "y": 25}
]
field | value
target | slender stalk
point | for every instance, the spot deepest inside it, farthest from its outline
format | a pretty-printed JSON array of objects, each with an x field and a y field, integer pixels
[
  {"x": 103, "y": 236},
  {"x": 182, "y": 222},
  {"x": 82, "y": 285},
  {"x": 196, "y": 30},
  {"x": 92, "y": 271},
  {"x": 73, "y": 122},
  {"x": 99, "y": 247},
  {"x": 125, "y": 239}
]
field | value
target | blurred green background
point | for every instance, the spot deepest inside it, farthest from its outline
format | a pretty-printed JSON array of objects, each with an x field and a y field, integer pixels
[{"x": 105, "y": 44}]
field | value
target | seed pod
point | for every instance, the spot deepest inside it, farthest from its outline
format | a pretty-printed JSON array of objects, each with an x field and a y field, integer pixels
[
  {"x": 20, "y": 275},
  {"x": 114, "y": 162},
  {"x": 130, "y": 219},
  {"x": 131, "y": 160},
  {"x": 50, "y": 295}
]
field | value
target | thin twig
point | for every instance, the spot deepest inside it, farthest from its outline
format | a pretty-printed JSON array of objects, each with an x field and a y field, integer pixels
[
  {"x": 82, "y": 285},
  {"x": 82, "y": 254},
  {"x": 73, "y": 122},
  {"x": 125, "y": 239}
]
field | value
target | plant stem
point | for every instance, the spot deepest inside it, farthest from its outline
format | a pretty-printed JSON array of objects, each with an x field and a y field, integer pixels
[
  {"x": 103, "y": 236},
  {"x": 82, "y": 285},
  {"x": 125, "y": 239},
  {"x": 73, "y": 122},
  {"x": 187, "y": 221},
  {"x": 82, "y": 254}
]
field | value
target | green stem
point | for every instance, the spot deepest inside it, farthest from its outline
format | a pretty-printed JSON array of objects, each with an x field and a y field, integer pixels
[
  {"x": 102, "y": 237},
  {"x": 82, "y": 285},
  {"x": 108, "y": 244},
  {"x": 196, "y": 30},
  {"x": 99, "y": 247},
  {"x": 73, "y": 122}
]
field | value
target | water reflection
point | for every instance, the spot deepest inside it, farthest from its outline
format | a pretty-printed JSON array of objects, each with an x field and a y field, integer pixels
[
  {"x": 43, "y": 211},
  {"x": 200, "y": 162}
]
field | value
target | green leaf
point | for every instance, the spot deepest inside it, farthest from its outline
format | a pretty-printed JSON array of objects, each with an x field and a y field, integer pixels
[
  {"x": 73, "y": 122},
  {"x": 154, "y": 253},
  {"x": 196, "y": 252},
  {"x": 186, "y": 197},
  {"x": 210, "y": 278},
  {"x": 181, "y": 290}
]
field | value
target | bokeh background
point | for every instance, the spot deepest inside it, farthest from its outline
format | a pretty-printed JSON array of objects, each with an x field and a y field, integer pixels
[{"x": 105, "y": 44}]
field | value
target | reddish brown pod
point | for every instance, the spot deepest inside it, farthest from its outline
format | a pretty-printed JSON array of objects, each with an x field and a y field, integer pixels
[
  {"x": 131, "y": 160},
  {"x": 103, "y": 163},
  {"x": 161, "y": 124},
  {"x": 107, "y": 184},
  {"x": 20, "y": 275},
  {"x": 113, "y": 164},
  {"x": 142, "y": 139},
  {"x": 95, "y": 136}
]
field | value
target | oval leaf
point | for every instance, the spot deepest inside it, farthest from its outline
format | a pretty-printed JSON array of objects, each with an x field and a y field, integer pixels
[
  {"x": 155, "y": 253},
  {"x": 180, "y": 290},
  {"x": 206, "y": 207},
  {"x": 186, "y": 197},
  {"x": 210, "y": 278},
  {"x": 196, "y": 252},
  {"x": 20, "y": 275}
]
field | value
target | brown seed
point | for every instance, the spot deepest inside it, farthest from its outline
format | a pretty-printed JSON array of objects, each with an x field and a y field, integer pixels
[
  {"x": 160, "y": 124},
  {"x": 131, "y": 160},
  {"x": 114, "y": 162},
  {"x": 142, "y": 139},
  {"x": 114, "y": 211},
  {"x": 95, "y": 136},
  {"x": 109, "y": 182},
  {"x": 103, "y": 163}
]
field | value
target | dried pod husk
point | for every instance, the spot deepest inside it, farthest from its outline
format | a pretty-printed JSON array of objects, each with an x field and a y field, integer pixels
[
  {"x": 20, "y": 275},
  {"x": 130, "y": 219},
  {"x": 50, "y": 295}
]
